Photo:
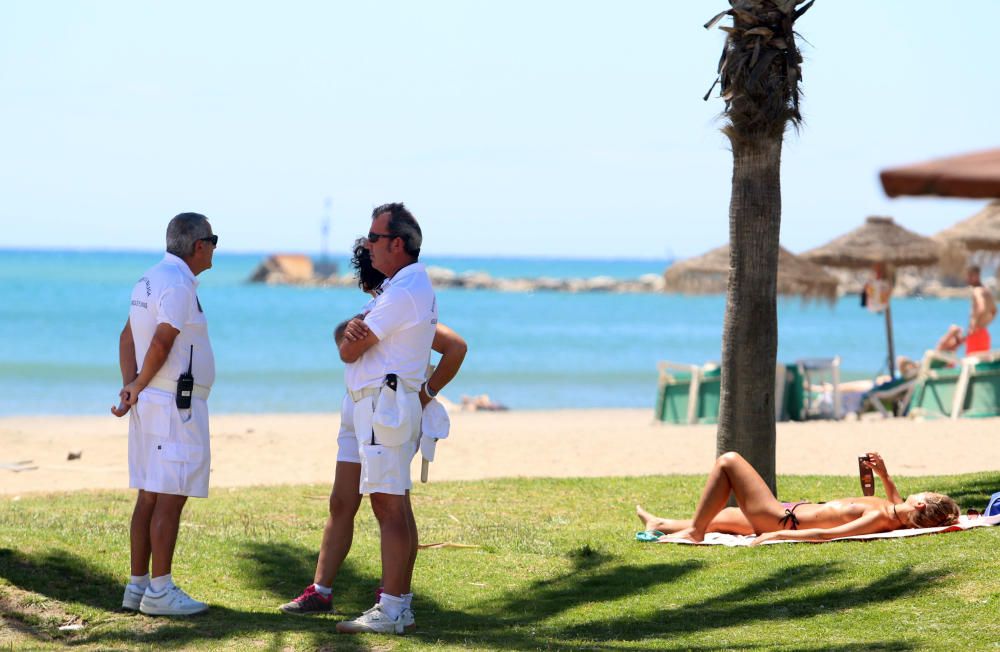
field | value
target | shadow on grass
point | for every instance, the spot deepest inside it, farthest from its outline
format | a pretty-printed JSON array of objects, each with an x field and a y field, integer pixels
[
  {"x": 519, "y": 622},
  {"x": 283, "y": 570},
  {"x": 61, "y": 575},
  {"x": 586, "y": 585},
  {"x": 270, "y": 630},
  {"x": 17, "y": 621},
  {"x": 56, "y": 575},
  {"x": 888, "y": 646},
  {"x": 972, "y": 493},
  {"x": 513, "y": 623},
  {"x": 279, "y": 569},
  {"x": 762, "y": 600}
]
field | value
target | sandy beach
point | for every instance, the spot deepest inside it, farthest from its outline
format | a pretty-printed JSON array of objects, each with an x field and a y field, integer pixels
[{"x": 254, "y": 449}]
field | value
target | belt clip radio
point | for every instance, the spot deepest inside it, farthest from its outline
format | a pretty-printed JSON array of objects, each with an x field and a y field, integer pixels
[{"x": 185, "y": 385}]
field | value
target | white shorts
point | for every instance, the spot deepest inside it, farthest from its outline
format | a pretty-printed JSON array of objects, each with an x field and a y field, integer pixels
[
  {"x": 347, "y": 441},
  {"x": 168, "y": 449},
  {"x": 385, "y": 469}
]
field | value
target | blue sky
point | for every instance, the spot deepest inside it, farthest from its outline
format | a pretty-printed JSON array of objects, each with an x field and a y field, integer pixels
[{"x": 518, "y": 128}]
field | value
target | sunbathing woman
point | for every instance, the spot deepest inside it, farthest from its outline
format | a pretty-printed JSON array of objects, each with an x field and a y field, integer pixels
[{"x": 760, "y": 513}]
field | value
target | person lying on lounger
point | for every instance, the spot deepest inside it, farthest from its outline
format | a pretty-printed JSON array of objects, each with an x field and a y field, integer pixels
[{"x": 760, "y": 513}]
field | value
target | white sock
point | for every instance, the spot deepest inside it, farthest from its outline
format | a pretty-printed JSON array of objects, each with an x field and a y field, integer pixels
[
  {"x": 141, "y": 581},
  {"x": 324, "y": 591},
  {"x": 161, "y": 583},
  {"x": 392, "y": 605},
  {"x": 407, "y": 600}
]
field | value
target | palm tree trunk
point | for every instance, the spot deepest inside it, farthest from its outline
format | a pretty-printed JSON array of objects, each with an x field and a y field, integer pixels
[{"x": 750, "y": 330}]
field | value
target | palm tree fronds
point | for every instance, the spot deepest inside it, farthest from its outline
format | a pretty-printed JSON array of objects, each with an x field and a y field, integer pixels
[
  {"x": 760, "y": 67},
  {"x": 715, "y": 19},
  {"x": 804, "y": 9}
]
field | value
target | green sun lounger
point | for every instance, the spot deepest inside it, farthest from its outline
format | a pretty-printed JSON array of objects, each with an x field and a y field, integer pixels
[
  {"x": 687, "y": 394},
  {"x": 811, "y": 389},
  {"x": 970, "y": 389}
]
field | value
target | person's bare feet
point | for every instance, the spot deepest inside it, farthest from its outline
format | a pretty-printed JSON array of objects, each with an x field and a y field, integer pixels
[
  {"x": 687, "y": 534},
  {"x": 648, "y": 520}
]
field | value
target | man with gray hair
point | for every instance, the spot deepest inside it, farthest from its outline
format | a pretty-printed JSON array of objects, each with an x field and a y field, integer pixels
[{"x": 167, "y": 370}]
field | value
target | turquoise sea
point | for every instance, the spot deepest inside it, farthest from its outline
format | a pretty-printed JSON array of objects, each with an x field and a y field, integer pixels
[{"x": 61, "y": 312}]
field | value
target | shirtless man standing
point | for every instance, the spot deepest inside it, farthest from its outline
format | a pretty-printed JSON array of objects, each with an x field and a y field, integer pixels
[{"x": 982, "y": 312}]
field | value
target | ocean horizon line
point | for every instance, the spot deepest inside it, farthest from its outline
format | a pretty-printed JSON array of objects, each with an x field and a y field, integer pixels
[{"x": 345, "y": 254}]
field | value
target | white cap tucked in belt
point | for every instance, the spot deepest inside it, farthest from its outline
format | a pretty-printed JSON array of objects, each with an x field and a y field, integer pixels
[
  {"x": 434, "y": 425},
  {"x": 391, "y": 420},
  {"x": 435, "y": 422}
]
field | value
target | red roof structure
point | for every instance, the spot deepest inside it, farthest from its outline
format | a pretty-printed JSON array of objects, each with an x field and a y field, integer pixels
[{"x": 972, "y": 176}]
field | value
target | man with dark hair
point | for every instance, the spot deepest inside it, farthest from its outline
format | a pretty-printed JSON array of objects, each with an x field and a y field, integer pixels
[
  {"x": 982, "y": 312},
  {"x": 338, "y": 533},
  {"x": 168, "y": 446},
  {"x": 402, "y": 223},
  {"x": 387, "y": 354},
  {"x": 369, "y": 279}
]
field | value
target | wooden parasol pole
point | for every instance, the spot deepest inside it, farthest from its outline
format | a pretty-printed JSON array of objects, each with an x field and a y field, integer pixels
[{"x": 888, "y": 336}]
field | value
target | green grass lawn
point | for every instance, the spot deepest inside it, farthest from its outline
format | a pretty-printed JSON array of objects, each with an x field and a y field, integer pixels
[{"x": 557, "y": 568}]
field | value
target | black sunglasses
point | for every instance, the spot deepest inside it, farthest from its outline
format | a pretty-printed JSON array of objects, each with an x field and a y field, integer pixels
[
  {"x": 214, "y": 239},
  {"x": 374, "y": 237}
]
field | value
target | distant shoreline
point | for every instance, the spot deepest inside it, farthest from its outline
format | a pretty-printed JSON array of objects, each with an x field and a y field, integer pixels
[
  {"x": 909, "y": 284},
  {"x": 223, "y": 253}
]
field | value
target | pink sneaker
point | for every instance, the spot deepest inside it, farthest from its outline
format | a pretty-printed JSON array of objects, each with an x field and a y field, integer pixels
[{"x": 310, "y": 602}]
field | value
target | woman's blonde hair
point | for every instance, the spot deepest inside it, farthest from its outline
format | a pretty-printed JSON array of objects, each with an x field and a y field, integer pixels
[{"x": 939, "y": 510}]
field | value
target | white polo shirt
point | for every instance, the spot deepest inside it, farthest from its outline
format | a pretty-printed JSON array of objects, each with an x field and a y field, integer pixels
[
  {"x": 403, "y": 318},
  {"x": 166, "y": 294}
]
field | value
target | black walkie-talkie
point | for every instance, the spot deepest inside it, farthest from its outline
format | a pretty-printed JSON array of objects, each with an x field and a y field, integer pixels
[{"x": 185, "y": 385}]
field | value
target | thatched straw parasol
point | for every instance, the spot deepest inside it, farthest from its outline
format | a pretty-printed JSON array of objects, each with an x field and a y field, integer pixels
[
  {"x": 879, "y": 241},
  {"x": 973, "y": 176},
  {"x": 709, "y": 274},
  {"x": 981, "y": 232}
]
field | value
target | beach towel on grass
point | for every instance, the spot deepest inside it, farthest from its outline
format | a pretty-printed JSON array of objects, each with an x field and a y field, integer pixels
[{"x": 733, "y": 540}]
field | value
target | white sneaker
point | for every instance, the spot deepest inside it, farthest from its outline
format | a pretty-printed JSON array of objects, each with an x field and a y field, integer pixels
[
  {"x": 171, "y": 602},
  {"x": 408, "y": 619},
  {"x": 132, "y": 598},
  {"x": 372, "y": 621}
]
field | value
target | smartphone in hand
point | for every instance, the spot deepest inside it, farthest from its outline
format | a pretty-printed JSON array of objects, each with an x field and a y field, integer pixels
[{"x": 867, "y": 476}]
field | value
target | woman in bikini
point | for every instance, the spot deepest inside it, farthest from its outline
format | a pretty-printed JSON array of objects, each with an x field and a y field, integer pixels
[{"x": 760, "y": 513}]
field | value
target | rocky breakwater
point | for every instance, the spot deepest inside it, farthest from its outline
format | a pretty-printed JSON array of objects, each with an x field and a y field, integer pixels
[
  {"x": 298, "y": 270},
  {"x": 446, "y": 278},
  {"x": 295, "y": 269},
  {"x": 292, "y": 269}
]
